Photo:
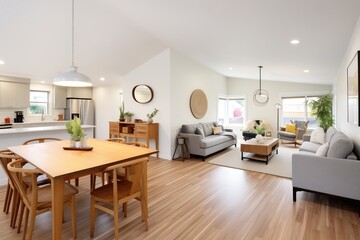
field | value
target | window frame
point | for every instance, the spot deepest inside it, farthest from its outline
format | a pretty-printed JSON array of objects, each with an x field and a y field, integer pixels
[
  {"x": 226, "y": 118},
  {"x": 306, "y": 112},
  {"x": 47, "y": 109}
]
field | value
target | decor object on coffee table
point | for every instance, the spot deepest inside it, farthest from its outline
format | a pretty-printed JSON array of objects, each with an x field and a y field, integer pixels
[{"x": 198, "y": 103}]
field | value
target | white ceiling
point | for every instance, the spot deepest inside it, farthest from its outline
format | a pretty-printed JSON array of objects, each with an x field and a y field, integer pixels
[{"x": 112, "y": 37}]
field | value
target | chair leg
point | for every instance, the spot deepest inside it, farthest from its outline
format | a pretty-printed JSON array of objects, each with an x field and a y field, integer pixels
[
  {"x": 22, "y": 205},
  {"x": 116, "y": 220},
  {"x": 25, "y": 223},
  {"x": 125, "y": 209},
  {"x": 73, "y": 216},
  {"x": 32, "y": 221},
  {"x": 14, "y": 209},
  {"x": 92, "y": 216},
  {"x": 6, "y": 197},
  {"x": 8, "y": 203}
]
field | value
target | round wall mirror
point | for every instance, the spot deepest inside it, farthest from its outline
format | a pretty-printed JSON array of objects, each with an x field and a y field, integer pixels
[{"x": 142, "y": 93}]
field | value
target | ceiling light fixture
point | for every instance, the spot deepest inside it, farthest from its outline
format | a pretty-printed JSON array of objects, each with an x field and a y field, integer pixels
[
  {"x": 230, "y": 68},
  {"x": 72, "y": 78},
  {"x": 2, "y": 62},
  {"x": 260, "y": 96},
  {"x": 295, "y": 41},
  {"x": 306, "y": 71},
  {"x": 102, "y": 79}
]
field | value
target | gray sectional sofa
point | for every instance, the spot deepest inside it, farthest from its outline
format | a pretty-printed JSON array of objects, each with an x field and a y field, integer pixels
[
  {"x": 201, "y": 140},
  {"x": 331, "y": 168}
]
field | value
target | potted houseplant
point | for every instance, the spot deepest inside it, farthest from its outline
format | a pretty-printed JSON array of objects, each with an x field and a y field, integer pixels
[
  {"x": 76, "y": 132},
  {"x": 322, "y": 110},
  {"x": 152, "y": 115},
  {"x": 260, "y": 131},
  {"x": 122, "y": 112},
  {"x": 128, "y": 116}
]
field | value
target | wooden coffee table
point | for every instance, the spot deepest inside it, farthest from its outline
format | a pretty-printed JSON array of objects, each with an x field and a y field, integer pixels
[{"x": 259, "y": 151}]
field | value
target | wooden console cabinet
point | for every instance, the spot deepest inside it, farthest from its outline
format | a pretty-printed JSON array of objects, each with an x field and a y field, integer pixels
[{"x": 135, "y": 130}]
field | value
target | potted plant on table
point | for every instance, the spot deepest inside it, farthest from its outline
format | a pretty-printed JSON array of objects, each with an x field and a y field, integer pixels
[
  {"x": 122, "y": 112},
  {"x": 128, "y": 116},
  {"x": 152, "y": 115},
  {"x": 76, "y": 132}
]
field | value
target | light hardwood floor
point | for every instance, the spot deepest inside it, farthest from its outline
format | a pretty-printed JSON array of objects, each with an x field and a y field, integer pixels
[{"x": 197, "y": 200}]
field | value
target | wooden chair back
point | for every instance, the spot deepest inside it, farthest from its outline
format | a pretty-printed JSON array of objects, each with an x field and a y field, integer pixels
[
  {"x": 40, "y": 140},
  {"x": 119, "y": 140}
]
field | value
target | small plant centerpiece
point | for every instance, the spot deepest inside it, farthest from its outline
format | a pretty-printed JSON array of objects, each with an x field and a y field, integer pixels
[
  {"x": 122, "y": 112},
  {"x": 128, "y": 116},
  {"x": 77, "y": 133},
  {"x": 152, "y": 115}
]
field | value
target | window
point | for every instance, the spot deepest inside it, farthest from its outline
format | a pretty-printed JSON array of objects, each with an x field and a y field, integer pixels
[
  {"x": 39, "y": 102},
  {"x": 231, "y": 110},
  {"x": 296, "y": 108}
]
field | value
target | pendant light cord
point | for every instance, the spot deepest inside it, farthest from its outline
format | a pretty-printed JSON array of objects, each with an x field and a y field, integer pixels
[
  {"x": 260, "y": 79},
  {"x": 72, "y": 33}
]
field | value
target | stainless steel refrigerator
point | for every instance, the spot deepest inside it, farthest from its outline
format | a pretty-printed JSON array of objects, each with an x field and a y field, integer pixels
[{"x": 82, "y": 108}]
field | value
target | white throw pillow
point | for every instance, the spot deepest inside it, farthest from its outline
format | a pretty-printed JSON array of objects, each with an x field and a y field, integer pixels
[
  {"x": 318, "y": 136},
  {"x": 322, "y": 150}
]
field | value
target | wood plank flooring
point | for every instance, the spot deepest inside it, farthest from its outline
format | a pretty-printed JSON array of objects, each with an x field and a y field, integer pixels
[{"x": 197, "y": 200}]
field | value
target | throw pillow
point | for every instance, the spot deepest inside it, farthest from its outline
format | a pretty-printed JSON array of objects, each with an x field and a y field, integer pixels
[
  {"x": 322, "y": 150},
  {"x": 290, "y": 128},
  {"x": 318, "y": 136},
  {"x": 217, "y": 130},
  {"x": 340, "y": 146},
  {"x": 200, "y": 131}
]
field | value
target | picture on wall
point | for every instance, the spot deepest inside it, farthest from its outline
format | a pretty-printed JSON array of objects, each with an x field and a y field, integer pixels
[{"x": 353, "y": 90}]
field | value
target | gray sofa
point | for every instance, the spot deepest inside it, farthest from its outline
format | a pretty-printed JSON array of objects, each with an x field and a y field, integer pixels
[
  {"x": 201, "y": 140},
  {"x": 331, "y": 168}
]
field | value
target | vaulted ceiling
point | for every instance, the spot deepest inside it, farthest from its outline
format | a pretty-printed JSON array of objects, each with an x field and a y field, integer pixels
[{"x": 112, "y": 37}]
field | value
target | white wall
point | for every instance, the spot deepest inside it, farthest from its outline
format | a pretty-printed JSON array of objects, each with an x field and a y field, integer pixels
[
  {"x": 156, "y": 74},
  {"x": 186, "y": 76},
  {"x": 340, "y": 85},
  {"x": 245, "y": 88},
  {"x": 107, "y": 102}
]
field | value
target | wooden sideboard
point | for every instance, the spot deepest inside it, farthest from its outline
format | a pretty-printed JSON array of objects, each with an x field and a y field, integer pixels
[{"x": 135, "y": 130}]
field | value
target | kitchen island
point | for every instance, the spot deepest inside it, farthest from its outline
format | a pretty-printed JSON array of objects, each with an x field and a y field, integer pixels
[{"x": 17, "y": 135}]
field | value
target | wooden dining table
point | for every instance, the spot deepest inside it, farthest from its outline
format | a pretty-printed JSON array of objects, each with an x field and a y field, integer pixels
[{"x": 61, "y": 165}]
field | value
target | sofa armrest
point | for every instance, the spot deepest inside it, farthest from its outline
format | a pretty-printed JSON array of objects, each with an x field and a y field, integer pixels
[
  {"x": 192, "y": 141},
  {"x": 335, "y": 176},
  {"x": 228, "y": 130}
]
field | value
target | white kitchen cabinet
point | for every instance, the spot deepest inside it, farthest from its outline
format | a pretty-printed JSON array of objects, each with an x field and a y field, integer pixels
[
  {"x": 14, "y": 95},
  {"x": 60, "y": 94}
]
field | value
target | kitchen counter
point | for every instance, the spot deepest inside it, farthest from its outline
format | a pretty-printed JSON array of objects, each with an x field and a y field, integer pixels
[{"x": 16, "y": 130}]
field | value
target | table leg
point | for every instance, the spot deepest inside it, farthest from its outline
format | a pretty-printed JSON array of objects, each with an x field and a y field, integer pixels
[
  {"x": 57, "y": 191},
  {"x": 242, "y": 155}
]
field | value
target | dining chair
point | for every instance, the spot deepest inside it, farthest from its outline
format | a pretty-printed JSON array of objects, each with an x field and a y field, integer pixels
[
  {"x": 12, "y": 197},
  {"x": 118, "y": 192},
  {"x": 47, "y": 139},
  {"x": 102, "y": 174},
  {"x": 38, "y": 199}
]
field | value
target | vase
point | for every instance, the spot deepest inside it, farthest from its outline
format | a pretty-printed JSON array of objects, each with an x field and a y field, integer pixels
[
  {"x": 259, "y": 138},
  {"x": 150, "y": 120},
  {"x": 77, "y": 144}
]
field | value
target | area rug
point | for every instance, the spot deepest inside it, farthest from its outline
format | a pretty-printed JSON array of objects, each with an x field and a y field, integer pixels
[{"x": 278, "y": 165}]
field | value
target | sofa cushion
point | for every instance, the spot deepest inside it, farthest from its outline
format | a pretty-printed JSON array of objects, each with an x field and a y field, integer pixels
[
  {"x": 309, "y": 147},
  {"x": 200, "y": 131},
  {"x": 340, "y": 146},
  {"x": 330, "y": 133},
  {"x": 190, "y": 128},
  {"x": 318, "y": 136},
  {"x": 217, "y": 130},
  {"x": 322, "y": 150},
  {"x": 214, "y": 140},
  {"x": 207, "y": 128}
]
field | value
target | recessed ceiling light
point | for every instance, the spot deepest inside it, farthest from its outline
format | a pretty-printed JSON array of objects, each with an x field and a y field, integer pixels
[
  {"x": 230, "y": 68},
  {"x": 42, "y": 81},
  {"x": 102, "y": 79},
  {"x": 2, "y": 62},
  {"x": 295, "y": 41},
  {"x": 306, "y": 71}
]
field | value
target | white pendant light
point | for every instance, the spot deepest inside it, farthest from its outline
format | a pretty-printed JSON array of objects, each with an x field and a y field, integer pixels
[{"x": 72, "y": 78}]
